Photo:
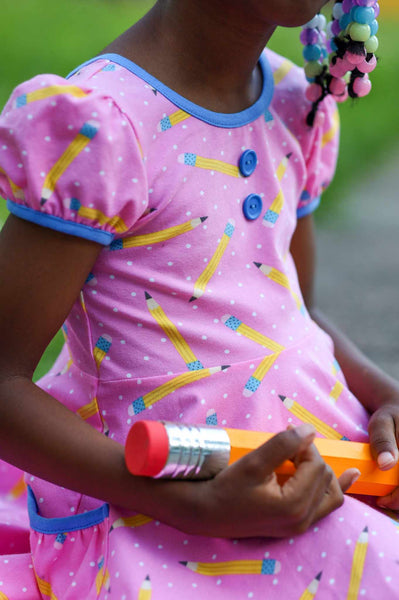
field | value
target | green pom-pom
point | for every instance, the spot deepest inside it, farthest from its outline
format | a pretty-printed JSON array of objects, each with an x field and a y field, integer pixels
[
  {"x": 359, "y": 32},
  {"x": 372, "y": 45},
  {"x": 313, "y": 68}
]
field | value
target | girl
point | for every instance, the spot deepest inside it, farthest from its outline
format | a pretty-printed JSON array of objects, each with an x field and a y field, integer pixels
[{"x": 161, "y": 202}]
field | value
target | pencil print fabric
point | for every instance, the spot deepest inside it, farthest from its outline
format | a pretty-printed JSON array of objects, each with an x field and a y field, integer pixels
[{"x": 192, "y": 313}]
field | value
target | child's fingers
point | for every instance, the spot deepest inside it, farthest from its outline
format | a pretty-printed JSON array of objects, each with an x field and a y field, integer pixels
[
  {"x": 312, "y": 477},
  {"x": 263, "y": 461},
  {"x": 383, "y": 439},
  {"x": 348, "y": 478},
  {"x": 391, "y": 501},
  {"x": 334, "y": 495}
]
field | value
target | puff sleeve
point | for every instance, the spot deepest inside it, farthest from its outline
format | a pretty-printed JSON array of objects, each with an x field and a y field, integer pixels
[
  {"x": 70, "y": 160},
  {"x": 320, "y": 150}
]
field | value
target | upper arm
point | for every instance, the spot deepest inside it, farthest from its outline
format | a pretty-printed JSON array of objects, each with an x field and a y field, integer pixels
[
  {"x": 41, "y": 273},
  {"x": 303, "y": 250}
]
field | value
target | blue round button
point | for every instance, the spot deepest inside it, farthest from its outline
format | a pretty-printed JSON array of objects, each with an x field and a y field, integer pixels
[
  {"x": 247, "y": 162},
  {"x": 252, "y": 207}
]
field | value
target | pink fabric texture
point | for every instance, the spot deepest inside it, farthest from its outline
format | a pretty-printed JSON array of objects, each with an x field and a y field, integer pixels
[{"x": 192, "y": 313}]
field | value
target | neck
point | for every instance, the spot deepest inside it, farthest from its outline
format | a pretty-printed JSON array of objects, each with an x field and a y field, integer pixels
[{"x": 206, "y": 50}]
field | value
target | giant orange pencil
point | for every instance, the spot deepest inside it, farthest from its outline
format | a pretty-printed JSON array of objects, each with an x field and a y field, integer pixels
[{"x": 162, "y": 449}]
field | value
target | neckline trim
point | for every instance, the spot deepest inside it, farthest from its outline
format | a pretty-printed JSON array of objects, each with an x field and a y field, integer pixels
[{"x": 225, "y": 120}]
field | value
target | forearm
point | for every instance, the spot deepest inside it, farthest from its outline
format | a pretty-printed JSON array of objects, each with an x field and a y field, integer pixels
[
  {"x": 42, "y": 437},
  {"x": 370, "y": 384}
]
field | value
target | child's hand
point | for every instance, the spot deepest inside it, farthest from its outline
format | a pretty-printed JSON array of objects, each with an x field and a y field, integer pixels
[
  {"x": 246, "y": 500},
  {"x": 384, "y": 437}
]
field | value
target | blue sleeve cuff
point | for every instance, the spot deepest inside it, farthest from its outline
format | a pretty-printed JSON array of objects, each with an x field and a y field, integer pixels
[
  {"x": 52, "y": 222},
  {"x": 308, "y": 208}
]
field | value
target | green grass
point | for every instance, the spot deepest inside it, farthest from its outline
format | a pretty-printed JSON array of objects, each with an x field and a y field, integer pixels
[{"x": 54, "y": 36}]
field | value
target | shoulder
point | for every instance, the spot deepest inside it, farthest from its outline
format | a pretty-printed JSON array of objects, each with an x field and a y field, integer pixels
[
  {"x": 291, "y": 106},
  {"x": 68, "y": 142}
]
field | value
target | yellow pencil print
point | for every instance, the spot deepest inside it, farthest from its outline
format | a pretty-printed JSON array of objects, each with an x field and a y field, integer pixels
[
  {"x": 208, "y": 272},
  {"x": 132, "y": 522},
  {"x": 336, "y": 391},
  {"x": 3, "y": 596},
  {"x": 84, "y": 137},
  {"x": 90, "y": 410},
  {"x": 267, "y": 566},
  {"x": 45, "y": 588},
  {"x": 331, "y": 133},
  {"x": 69, "y": 362},
  {"x": 157, "y": 236},
  {"x": 103, "y": 577},
  {"x": 145, "y": 592},
  {"x": 48, "y": 92},
  {"x": 93, "y": 214},
  {"x": 211, "y": 164},
  {"x": 101, "y": 349},
  {"x": 335, "y": 368},
  {"x": 16, "y": 190},
  {"x": 237, "y": 325},
  {"x": 312, "y": 588},
  {"x": 169, "y": 121},
  {"x": 260, "y": 372},
  {"x": 170, "y": 329},
  {"x": 17, "y": 490},
  {"x": 273, "y": 213},
  {"x": 359, "y": 557},
  {"x": 282, "y": 279},
  {"x": 307, "y": 417},
  {"x": 163, "y": 390},
  {"x": 282, "y": 71}
]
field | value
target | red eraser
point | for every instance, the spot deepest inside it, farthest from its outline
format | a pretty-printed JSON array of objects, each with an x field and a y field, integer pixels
[{"x": 146, "y": 448}]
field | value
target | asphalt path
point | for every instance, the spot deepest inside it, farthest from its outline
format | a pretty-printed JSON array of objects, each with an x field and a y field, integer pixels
[{"x": 358, "y": 265}]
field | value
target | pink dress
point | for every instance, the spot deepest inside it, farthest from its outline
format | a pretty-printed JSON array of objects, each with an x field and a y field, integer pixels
[{"x": 192, "y": 313}]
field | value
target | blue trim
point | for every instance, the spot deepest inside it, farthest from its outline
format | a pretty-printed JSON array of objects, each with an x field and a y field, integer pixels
[
  {"x": 308, "y": 208},
  {"x": 64, "y": 524},
  {"x": 58, "y": 224},
  {"x": 226, "y": 120}
]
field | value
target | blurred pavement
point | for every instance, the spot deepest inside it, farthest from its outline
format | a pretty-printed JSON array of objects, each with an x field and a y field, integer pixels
[{"x": 358, "y": 265}]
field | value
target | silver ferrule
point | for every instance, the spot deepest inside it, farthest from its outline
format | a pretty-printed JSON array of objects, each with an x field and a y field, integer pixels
[{"x": 195, "y": 451}]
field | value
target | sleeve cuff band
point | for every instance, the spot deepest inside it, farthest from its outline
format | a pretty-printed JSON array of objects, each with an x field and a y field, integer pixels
[
  {"x": 52, "y": 222},
  {"x": 308, "y": 208}
]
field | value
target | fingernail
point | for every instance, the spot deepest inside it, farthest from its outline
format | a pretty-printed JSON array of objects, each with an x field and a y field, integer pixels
[
  {"x": 385, "y": 459},
  {"x": 305, "y": 430},
  {"x": 356, "y": 476}
]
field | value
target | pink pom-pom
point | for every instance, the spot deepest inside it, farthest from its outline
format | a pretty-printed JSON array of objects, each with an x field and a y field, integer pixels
[
  {"x": 368, "y": 65},
  {"x": 339, "y": 68},
  {"x": 337, "y": 86},
  {"x": 353, "y": 58},
  {"x": 362, "y": 86},
  {"x": 314, "y": 92},
  {"x": 342, "y": 97}
]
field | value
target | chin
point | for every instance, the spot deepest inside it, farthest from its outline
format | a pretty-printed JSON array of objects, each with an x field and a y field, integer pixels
[{"x": 305, "y": 11}]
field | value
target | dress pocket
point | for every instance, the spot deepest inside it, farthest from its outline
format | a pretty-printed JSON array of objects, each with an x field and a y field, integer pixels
[{"x": 70, "y": 554}]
